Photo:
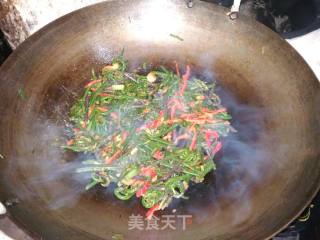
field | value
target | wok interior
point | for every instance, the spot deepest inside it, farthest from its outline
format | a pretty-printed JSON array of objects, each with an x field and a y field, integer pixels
[{"x": 267, "y": 164}]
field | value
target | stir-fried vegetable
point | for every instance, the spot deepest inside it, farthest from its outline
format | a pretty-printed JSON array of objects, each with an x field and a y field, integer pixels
[{"x": 151, "y": 134}]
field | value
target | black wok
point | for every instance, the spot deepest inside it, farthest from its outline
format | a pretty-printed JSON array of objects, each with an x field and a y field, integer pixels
[{"x": 251, "y": 63}]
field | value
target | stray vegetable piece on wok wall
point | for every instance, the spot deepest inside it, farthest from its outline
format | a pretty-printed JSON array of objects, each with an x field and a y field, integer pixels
[{"x": 151, "y": 133}]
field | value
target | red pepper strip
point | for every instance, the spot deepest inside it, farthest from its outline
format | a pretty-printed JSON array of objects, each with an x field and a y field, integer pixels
[
  {"x": 214, "y": 134},
  {"x": 143, "y": 190},
  {"x": 186, "y": 115},
  {"x": 208, "y": 135},
  {"x": 149, "y": 172},
  {"x": 161, "y": 114},
  {"x": 91, "y": 108},
  {"x": 151, "y": 211},
  {"x": 194, "y": 139},
  {"x": 113, "y": 157},
  {"x": 208, "y": 141},
  {"x": 146, "y": 110},
  {"x": 172, "y": 121},
  {"x": 76, "y": 130},
  {"x": 208, "y": 111},
  {"x": 185, "y": 79},
  {"x": 217, "y": 148},
  {"x": 92, "y": 83},
  {"x": 177, "y": 69},
  {"x": 160, "y": 119},
  {"x": 105, "y": 151},
  {"x": 172, "y": 112},
  {"x": 153, "y": 124},
  {"x": 176, "y": 104},
  {"x": 70, "y": 142},
  {"x": 124, "y": 137},
  {"x": 158, "y": 155},
  {"x": 102, "y": 109}
]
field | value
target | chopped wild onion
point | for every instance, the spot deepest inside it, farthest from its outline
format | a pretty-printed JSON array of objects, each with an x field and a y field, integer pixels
[{"x": 151, "y": 134}]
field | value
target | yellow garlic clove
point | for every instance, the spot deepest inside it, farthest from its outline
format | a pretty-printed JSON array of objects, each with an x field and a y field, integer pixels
[
  {"x": 151, "y": 77},
  {"x": 200, "y": 97},
  {"x": 113, "y": 67}
]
